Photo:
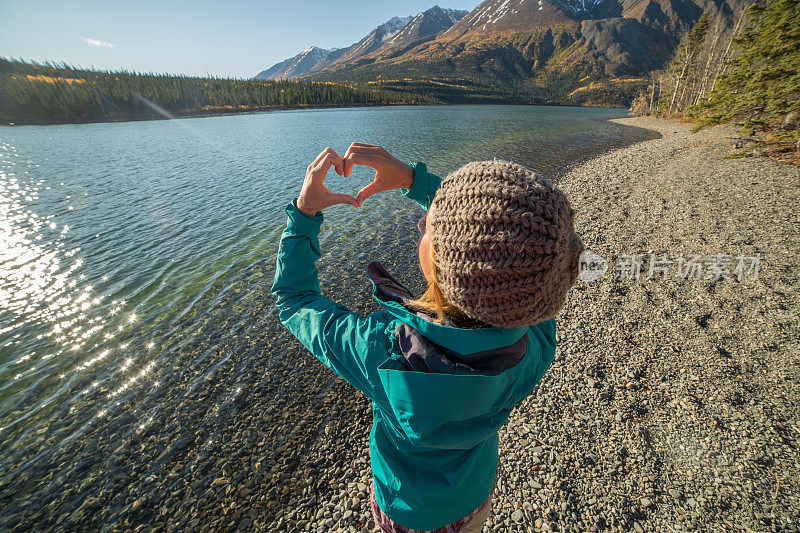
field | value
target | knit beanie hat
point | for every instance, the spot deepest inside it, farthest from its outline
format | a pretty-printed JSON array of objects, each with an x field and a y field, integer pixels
[{"x": 506, "y": 251}]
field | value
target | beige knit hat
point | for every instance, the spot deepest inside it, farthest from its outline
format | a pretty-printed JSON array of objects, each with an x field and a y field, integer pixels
[{"x": 506, "y": 251}]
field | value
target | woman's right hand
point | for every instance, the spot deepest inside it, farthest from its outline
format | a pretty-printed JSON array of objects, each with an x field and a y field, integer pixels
[{"x": 390, "y": 172}]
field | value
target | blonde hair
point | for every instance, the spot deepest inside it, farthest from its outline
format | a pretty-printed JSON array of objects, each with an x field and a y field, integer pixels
[{"x": 433, "y": 302}]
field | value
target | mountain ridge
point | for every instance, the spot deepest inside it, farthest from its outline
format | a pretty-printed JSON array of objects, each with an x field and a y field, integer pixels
[
  {"x": 595, "y": 52},
  {"x": 542, "y": 51},
  {"x": 395, "y": 33}
]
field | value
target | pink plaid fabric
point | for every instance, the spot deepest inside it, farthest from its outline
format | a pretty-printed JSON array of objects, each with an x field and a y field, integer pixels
[{"x": 389, "y": 526}]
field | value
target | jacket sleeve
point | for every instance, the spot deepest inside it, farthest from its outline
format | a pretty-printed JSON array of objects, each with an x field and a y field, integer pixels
[
  {"x": 424, "y": 186},
  {"x": 348, "y": 343},
  {"x": 545, "y": 333}
]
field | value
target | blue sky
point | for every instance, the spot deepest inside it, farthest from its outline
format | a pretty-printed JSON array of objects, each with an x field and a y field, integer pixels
[{"x": 235, "y": 38}]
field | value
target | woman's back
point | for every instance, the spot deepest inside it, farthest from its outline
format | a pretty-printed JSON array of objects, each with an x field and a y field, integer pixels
[
  {"x": 444, "y": 394},
  {"x": 440, "y": 393}
]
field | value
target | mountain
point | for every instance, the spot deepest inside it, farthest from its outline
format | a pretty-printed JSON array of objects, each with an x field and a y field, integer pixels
[
  {"x": 315, "y": 59},
  {"x": 559, "y": 51},
  {"x": 374, "y": 39},
  {"x": 394, "y": 34},
  {"x": 423, "y": 27},
  {"x": 502, "y": 16},
  {"x": 296, "y": 66}
]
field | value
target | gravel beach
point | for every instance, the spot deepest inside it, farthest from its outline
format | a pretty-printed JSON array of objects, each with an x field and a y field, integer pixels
[{"x": 672, "y": 404}]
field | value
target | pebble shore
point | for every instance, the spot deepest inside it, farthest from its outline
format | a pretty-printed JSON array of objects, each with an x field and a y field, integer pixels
[{"x": 672, "y": 404}]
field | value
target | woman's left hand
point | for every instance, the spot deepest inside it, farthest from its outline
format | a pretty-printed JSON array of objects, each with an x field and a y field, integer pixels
[{"x": 315, "y": 196}]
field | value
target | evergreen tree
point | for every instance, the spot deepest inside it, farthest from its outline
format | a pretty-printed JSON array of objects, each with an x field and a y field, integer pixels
[
  {"x": 761, "y": 89},
  {"x": 47, "y": 93}
]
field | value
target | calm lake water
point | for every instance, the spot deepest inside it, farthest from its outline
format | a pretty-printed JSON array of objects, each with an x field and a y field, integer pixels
[{"x": 136, "y": 260}]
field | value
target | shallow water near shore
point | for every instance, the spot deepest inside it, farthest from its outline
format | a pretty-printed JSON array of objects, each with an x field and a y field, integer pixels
[{"x": 139, "y": 343}]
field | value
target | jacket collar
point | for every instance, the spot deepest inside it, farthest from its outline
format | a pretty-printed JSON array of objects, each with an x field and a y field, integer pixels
[{"x": 392, "y": 295}]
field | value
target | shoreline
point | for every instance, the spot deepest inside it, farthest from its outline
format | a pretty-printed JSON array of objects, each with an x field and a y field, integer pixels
[
  {"x": 270, "y": 109},
  {"x": 201, "y": 114}
]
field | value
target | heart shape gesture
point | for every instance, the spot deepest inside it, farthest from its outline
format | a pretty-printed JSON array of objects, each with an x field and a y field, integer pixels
[
  {"x": 315, "y": 196},
  {"x": 390, "y": 172}
]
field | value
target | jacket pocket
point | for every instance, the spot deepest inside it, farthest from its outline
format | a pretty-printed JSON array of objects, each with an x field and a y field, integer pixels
[{"x": 448, "y": 410}]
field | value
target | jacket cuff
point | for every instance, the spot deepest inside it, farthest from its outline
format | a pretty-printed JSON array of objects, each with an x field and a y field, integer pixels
[
  {"x": 419, "y": 188},
  {"x": 300, "y": 223}
]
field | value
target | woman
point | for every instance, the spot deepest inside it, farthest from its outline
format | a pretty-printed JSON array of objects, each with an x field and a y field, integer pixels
[{"x": 444, "y": 370}]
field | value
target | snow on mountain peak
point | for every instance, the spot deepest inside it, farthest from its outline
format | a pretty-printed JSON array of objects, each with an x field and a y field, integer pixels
[
  {"x": 395, "y": 31},
  {"x": 502, "y": 15}
]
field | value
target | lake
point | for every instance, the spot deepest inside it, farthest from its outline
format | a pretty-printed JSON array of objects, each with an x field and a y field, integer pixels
[{"x": 138, "y": 338}]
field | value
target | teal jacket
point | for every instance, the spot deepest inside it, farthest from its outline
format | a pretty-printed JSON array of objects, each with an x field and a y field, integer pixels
[{"x": 439, "y": 394}]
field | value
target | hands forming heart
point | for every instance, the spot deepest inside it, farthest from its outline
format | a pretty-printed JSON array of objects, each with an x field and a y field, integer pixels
[{"x": 390, "y": 173}]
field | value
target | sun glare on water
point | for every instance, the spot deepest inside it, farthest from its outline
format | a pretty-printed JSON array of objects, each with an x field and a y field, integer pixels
[{"x": 58, "y": 333}]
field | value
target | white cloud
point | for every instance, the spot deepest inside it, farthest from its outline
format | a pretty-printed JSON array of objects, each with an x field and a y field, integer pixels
[{"x": 97, "y": 42}]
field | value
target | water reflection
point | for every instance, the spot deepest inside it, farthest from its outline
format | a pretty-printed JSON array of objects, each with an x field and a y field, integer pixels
[{"x": 56, "y": 326}]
